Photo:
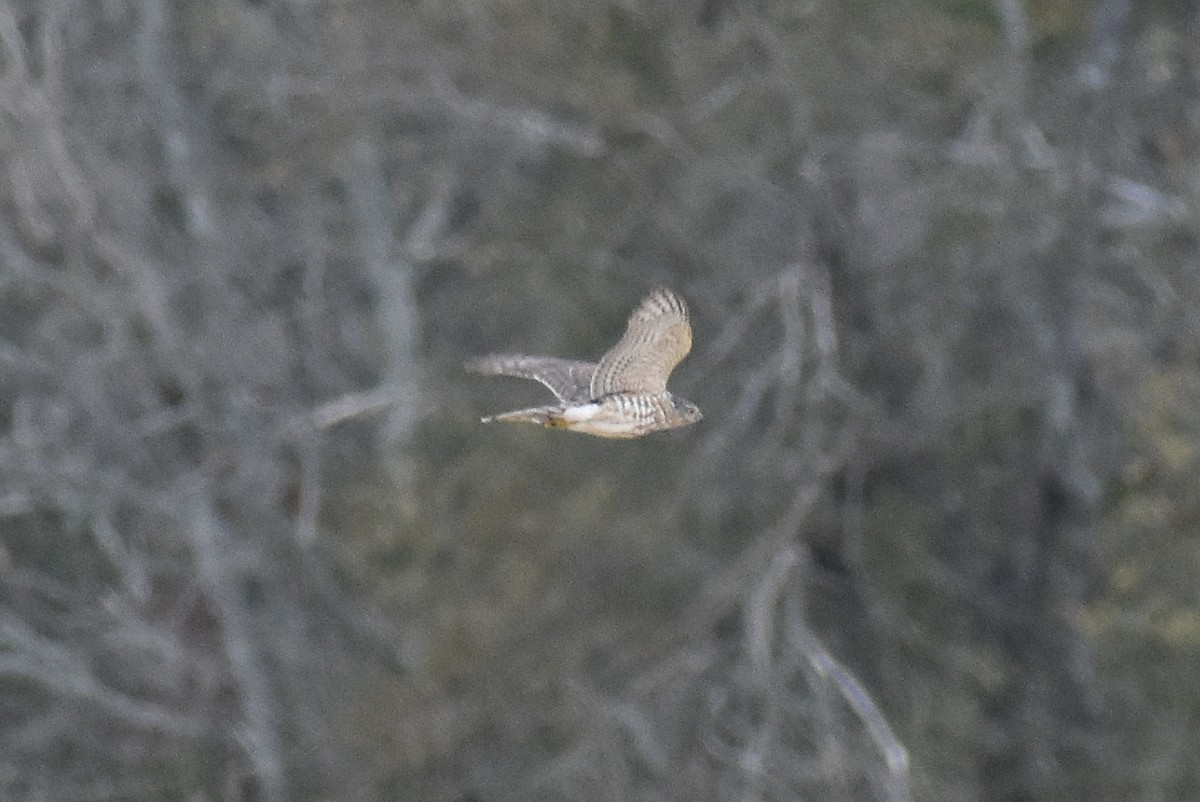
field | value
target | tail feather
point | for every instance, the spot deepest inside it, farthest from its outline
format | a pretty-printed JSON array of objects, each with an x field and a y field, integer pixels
[{"x": 542, "y": 416}]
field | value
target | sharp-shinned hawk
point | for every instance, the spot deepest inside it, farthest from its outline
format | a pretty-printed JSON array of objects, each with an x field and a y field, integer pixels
[{"x": 623, "y": 395}]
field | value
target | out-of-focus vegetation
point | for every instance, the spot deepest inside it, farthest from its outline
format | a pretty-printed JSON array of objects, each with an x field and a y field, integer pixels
[{"x": 936, "y": 538}]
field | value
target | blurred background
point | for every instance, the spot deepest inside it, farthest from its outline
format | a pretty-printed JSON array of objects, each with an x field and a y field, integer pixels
[{"x": 935, "y": 539}]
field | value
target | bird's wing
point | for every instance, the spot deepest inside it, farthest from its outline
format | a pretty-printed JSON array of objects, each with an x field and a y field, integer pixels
[
  {"x": 656, "y": 339},
  {"x": 568, "y": 379}
]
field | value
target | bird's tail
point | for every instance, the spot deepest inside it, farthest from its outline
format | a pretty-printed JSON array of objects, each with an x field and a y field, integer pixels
[{"x": 542, "y": 416}]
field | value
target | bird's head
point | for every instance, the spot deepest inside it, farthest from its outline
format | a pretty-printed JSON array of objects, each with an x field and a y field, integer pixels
[{"x": 688, "y": 412}]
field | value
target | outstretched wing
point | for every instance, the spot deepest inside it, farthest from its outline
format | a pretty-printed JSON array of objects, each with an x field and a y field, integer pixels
[
  {"x": 568, "y": 379},
  {"x": 656, "y": 339}
]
